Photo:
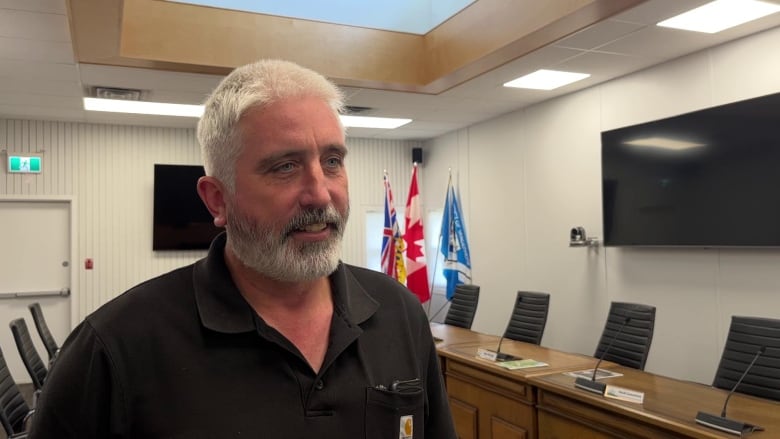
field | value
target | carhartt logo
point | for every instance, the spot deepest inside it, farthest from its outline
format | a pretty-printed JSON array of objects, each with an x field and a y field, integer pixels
[{"x": 407, "y": 427}]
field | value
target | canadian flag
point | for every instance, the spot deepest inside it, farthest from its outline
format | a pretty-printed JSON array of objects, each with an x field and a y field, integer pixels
[{"x": 416, "y": 268}]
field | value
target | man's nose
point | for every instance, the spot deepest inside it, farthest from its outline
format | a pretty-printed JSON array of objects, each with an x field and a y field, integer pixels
[{"x": 316, "y": 192}]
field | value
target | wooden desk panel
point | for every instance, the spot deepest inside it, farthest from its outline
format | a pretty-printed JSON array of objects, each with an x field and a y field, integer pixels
[
  {"x": 489, "y": 401},
  {"x": 668, "y": 411}
]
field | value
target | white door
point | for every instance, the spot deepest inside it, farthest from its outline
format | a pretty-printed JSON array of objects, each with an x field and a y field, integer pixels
[{"x": 34, "y": 267}]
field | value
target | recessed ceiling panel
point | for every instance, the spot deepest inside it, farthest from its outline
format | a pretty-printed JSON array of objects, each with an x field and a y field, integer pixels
[{"x": 411, "y": 16}]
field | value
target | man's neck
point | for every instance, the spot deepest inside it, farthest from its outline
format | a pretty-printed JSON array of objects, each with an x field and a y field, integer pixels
[
  {"x": 300, "y": 311},
  {"x": 270, "y": 295}
]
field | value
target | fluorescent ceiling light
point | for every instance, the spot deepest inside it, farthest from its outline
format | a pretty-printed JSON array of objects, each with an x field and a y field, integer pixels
[
  {"x": 373, "y": 122},
  {"x": 140, "y": 107},
  {"x": 546, "y": 79},
  {"x": 664, "y": 142},
  {"x": 161, "y": 109},
  {"x": 720, "y": 14}
]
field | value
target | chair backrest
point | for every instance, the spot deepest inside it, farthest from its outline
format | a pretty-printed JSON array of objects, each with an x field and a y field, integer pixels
[
  {"x": 32, "y": 361},
  {"x": 43, "y": 330},
  {"x": 529, "y": 317},
  {"x": 632, "y": 345},
  {"x": 747, "y": 335},
  {"x": 463, "y": 306},
  {"x": 13, "y": 407}
]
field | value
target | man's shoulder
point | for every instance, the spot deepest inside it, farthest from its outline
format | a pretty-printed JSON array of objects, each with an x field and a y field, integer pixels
[
  {"x": 147, "y": 299},
  {"x": 381, "y": 287}
]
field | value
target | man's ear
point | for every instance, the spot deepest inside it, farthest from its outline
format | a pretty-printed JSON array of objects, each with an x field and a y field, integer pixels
[{"x": 213, "y": 193}]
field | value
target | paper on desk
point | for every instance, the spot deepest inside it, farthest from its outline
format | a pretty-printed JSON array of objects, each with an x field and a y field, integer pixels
[
  {"x": 601, "y": 374},
  {"x": 521, "y": 364}
]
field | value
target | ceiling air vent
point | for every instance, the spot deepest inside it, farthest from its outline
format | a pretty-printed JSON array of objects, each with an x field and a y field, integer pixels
[
  {"x": 124, "y": 94},
  {"x": 352, "y": 110}
]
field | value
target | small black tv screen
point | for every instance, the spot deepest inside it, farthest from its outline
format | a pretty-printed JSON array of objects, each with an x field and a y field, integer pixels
[
  {"x": 181, "y": 220},
  {"x": 709, "y": 178}
]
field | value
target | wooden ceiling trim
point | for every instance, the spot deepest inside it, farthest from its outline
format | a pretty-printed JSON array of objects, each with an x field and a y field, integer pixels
[{"x": 173, "y": 36}]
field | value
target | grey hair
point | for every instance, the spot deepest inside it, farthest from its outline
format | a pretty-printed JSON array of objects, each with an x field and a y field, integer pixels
[{"x": 259, "y": 84}]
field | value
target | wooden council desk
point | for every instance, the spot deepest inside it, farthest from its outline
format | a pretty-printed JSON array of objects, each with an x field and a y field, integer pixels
[
  {"x": 488, "y": 401},
  {"x": 668, "y": 410}
]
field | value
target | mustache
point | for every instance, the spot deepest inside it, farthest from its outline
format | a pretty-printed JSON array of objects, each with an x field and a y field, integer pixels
[{"x": 328, "y": 215}]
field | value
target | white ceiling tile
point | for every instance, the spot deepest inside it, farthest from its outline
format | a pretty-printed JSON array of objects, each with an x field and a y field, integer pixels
[
  {"x": 38, "y": 70},
  {"x": 34, "y": 26},
  {"x": 651, "y": 12},
  {"x": 45, "y": 112},
  {"x": 599, "y": 34},
  {"x": 41, "y": 86},
  {"x": 146, "y": 79},
  {"x": 40, "y": 100},
  {"x": 39, "y": 78},
  {"x": 49, "y": 6},
  {"x": 661, "y": 43},
  {"x": 603, "y": 66},
  {"x": 30, "y": 50}
]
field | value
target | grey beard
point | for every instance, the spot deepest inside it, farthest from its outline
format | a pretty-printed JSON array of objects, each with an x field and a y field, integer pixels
[{"x": 272, "y": 253}]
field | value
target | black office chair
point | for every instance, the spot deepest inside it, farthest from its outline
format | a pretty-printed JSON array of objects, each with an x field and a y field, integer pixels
[
  {"x": 14, "y": 411},
  {"x": 632, "y": 345},
  {"x": 463, "y": 306},
  {"x": 32, "y": 361},
  {"x": 529, "y": 317},
  {"x": 43, "y": 330},
  {"x": 748, "y": 335}
]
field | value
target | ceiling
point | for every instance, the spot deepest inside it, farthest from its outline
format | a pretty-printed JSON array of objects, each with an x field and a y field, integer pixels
[{"x": 48, "y": 58}]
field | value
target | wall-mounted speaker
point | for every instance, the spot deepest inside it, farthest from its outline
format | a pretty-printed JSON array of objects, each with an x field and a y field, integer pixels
[{"x": 417, "y": 155}]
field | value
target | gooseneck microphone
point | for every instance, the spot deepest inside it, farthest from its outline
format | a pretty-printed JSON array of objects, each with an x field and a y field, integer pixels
[
  {"x": 723, "y": 423},
  {"x": 591, "y": 385},
  {"x": 500, "y": 356}
]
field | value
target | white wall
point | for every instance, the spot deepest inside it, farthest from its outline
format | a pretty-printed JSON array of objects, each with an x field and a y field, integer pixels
[
  {"x": 108, "y": 172},
  {"x": 528, "y": 177}
]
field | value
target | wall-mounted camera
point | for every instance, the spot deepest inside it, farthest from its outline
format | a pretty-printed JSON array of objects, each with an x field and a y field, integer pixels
[{"x": 578, "y": 238}]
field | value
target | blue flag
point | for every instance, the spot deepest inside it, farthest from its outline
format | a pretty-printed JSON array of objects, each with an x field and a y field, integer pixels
[{"x": 454, "y": 245}]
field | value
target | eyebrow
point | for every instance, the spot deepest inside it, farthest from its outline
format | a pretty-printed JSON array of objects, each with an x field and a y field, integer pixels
[{"x": 269, "y": 161}]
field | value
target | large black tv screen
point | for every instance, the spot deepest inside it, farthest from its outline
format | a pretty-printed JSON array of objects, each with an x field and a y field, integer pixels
[
  {"x": 181, "y": 220},
  {"x": 708, "y": 178}
]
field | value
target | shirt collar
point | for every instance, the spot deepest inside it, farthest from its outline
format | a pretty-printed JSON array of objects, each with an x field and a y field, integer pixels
[{"x": 222, "y": 308}]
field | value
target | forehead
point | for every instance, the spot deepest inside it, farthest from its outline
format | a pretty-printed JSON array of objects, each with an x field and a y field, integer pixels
[{"x": 301, "y": 121}]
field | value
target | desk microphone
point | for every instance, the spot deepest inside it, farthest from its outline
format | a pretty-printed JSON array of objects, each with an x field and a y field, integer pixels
[
  {"x": 500, "y": 356},
  {"x": 722, "y": 422},
  {"x": 591, "y": 385}
]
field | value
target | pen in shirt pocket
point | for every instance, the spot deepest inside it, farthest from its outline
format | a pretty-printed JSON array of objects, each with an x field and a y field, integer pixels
[{"x": 405, "y": 385}]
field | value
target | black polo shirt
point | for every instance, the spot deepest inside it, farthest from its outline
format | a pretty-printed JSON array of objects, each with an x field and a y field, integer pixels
[{"x": 184, "y": 356}]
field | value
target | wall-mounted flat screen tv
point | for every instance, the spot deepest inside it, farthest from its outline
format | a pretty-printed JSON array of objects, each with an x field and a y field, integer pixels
[
  {"x": 181, "y": 221},
  {"x": 710, "y": 178}
]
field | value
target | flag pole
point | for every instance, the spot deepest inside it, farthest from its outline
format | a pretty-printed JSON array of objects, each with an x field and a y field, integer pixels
[{"x": 438, "y": 250}]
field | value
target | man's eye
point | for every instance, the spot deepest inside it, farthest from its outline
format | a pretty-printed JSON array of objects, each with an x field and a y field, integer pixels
[
  {"x": 284, "y": 167},
  {"x": 334, "y": 162}
]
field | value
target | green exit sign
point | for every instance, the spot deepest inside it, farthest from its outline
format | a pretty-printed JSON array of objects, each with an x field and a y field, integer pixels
[{"x": 24, "y": 164}]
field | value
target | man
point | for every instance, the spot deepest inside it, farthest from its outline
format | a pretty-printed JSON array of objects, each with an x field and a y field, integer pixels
[{"x": 270, "y": 335}]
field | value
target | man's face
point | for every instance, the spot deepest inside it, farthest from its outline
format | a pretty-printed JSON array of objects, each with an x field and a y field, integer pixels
[{"x": 287, "y": 215}]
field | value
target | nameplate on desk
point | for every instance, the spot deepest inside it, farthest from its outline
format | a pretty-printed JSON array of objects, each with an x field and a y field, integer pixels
[
  {"x": 624, "y": 394},
  {"x": 487, "y": 354}
]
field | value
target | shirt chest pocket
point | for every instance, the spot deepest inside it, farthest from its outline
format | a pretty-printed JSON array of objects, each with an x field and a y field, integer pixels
[{"x": 395, "y": 414}]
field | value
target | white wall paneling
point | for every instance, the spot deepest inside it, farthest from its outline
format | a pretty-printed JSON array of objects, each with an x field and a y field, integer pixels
[{"x": 535, "y": 173}]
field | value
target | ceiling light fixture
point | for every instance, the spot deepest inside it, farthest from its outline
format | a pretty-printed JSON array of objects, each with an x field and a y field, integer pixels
[
  {"x": 140, "y": 107},
  {"x": 388, "y": 123},
  {"x": 162, "y": 109},
  {"x": 720, "y": 15},
  {"x": 546, "y": 79}
]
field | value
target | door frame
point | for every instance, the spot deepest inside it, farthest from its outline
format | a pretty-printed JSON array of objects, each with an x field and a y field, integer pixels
[{"x": 70, "y": 201}]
